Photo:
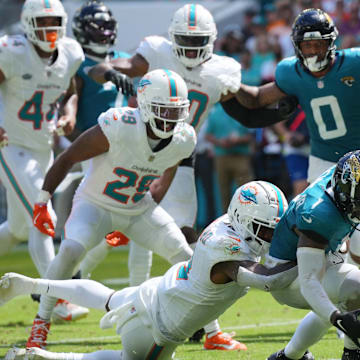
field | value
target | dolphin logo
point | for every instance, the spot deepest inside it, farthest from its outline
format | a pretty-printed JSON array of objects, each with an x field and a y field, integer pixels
[
  {"x": 248, "y": 195},
  {"x": 142, "y": 84}
]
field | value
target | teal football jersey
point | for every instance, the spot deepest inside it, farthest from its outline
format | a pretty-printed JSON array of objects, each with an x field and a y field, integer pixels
[
  {"x": 96, "y": 98},
  {"x": 331, "y": 103},
  {"x": 313, "y": 210}
]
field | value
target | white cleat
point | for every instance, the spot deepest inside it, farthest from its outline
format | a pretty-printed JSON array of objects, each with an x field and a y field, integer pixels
[
  {"x": 15, "y": 354},
  {"x": 65, "y": 311},
  {"x": 12, "y": 285}
]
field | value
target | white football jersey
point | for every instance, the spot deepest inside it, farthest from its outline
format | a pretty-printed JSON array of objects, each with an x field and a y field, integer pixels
[
  {"x": 32, "y": 88},
  {"x": 203, "y": 81},
  {"x": 185, "y": 299},
  {"x": 119, "y": 179}
]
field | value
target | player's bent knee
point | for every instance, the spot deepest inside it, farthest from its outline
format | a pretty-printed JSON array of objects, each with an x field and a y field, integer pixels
[
  {"x": 349, "y": 291},
  {"x": 71, "y": 252}
]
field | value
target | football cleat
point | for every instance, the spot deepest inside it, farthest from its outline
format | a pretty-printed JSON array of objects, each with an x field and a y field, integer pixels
[
  {"x": 350, "y": 354},
  {"x": 39, "y": 332},
  {"x": 65, "y": 311},
  {"x": 280, "y": 355},
  {"x": 12, "y": 285},
  {"x": 223, "y": 341},
  {"x": 15, "y": 354}
]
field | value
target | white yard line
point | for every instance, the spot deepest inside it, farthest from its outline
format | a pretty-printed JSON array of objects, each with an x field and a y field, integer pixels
[{"x": 99, "y": 338}]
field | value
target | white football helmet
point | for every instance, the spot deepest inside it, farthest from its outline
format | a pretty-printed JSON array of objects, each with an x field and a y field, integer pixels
[
  {"x": 162, "y": 98},
  {"x": 254, "y": 211},
  {"x": 34, "y": 9},
  {"x": 192, "y": 33}
]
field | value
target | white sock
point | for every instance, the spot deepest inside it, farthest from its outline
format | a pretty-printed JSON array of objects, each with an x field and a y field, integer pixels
[
  {"x": 212, "y": 328},
  {"x": 7, "y": 240},
  {"x": 93, "y": 258},
  {"x": 311, "y": 329},
  {"x": 41, "y": 248},
  {"x": 139, "y": 264},
  {"x": 97, "y": 355},
  {"x": 82, "y": 292}
]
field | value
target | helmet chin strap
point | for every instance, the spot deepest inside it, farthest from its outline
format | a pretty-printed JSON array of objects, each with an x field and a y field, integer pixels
[{"x": 313, "y": 65}]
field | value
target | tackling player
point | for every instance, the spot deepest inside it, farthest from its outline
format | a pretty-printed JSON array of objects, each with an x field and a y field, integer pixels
[{"x": 164, "y": 311}]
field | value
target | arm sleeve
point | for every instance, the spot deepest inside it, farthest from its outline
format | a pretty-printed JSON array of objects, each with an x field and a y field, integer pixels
[
  {"x": 311, "y": 262},
  {"x": 252, "y": 118},
  {"x": 267, "y": 282}
]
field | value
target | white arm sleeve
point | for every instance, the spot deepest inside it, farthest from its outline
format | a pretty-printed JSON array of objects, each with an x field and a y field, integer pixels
[
  {"x": 266, "y": 282},
  {"x": 311, "y": 263}
]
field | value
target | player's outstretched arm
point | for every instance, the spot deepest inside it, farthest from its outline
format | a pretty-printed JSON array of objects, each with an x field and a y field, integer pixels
[
  {"x": 89, "y": 144},
  {"x": 132, "y": 67},
  {"x": 249, "y": 106},
  {"x": 253, "y": 274}
]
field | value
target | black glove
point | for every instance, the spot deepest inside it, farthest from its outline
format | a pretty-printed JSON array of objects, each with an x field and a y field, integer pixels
[
  {"x": 122, "y": 82},
  {"x": 348, "y": 323},
  {"x": 287, "y": 106}
]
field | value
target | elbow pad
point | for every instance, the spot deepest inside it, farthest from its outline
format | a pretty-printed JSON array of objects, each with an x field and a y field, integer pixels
[{"x": 257, "y": 118}]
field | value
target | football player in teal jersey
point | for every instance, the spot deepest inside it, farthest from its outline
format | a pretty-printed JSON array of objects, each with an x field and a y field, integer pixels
[
  {"x": 95, "y": 28},
  {"x": 311, "y": 232},
  {"x": 326, "y": 83}
]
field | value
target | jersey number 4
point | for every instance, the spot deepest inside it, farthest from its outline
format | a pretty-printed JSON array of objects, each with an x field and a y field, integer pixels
[
  {"x": 128, "y": 179},
  {"x": 32, "y": 110}
]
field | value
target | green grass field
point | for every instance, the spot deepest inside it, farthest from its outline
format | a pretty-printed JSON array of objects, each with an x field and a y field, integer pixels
[{"x": 261, "y": 323}]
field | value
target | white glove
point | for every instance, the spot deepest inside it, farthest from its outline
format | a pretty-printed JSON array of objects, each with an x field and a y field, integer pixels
[{"x": 229, "y": 83}]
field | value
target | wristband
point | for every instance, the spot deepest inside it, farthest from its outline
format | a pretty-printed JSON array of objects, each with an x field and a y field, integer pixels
[{"x": 43, "y": 196}]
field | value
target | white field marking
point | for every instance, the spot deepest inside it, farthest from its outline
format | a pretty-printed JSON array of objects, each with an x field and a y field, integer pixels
[{"x": 100, "y": 338}]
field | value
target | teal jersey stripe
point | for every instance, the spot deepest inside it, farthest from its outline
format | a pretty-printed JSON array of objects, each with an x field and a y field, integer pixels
[
  {"x": 154, "y": 352},
  {"x": 173, "y": 88},
  {"x": 47, "y": 4},
  {"x": 280, "y": 200},
  {"x": 16, "y": 186},
  {"x": 192, "y": 15}
]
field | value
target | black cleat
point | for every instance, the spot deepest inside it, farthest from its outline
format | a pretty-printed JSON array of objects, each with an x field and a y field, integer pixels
[
  {"x": 197, "y": 336},
  {"x": 351, "y": 354},
  {"x": 280, "y": 355}
]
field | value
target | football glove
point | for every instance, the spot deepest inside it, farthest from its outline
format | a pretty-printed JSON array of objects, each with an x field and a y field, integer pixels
[
  {"x": 122, "y": 82},
  {"x": 349, "y": 324},
  {"x": 42, "y": 219},
  {"x": 117, "y": 238},
  {"x": 287, "y": 106}
]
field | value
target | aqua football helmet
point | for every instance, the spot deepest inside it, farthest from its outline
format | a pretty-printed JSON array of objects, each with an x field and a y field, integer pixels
[
  {"x": 94, "y": 27},
  {"x": 254, "y": 211},
  {"x": 314, "y": 24},
  {"x": 162, "y": 99},
  {"x": 192, "y": 33},
  {"x": 33, "y": 10},
  {"x": 346, "y": 185}
]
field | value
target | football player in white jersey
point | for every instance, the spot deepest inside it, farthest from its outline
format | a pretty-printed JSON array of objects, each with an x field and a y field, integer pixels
[
  {"x": 164, "y": 311},
  {"x": 129, "y": 149},
  {"x": 210, "y": 78},
  {"x": 37, "y": 88}
]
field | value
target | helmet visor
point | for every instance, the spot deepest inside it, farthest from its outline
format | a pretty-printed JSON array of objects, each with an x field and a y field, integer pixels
[
  {"x": 169, "y": 113},
  {"x": 191, "y": 41}
]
